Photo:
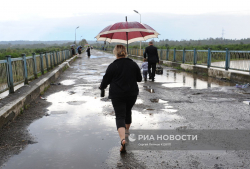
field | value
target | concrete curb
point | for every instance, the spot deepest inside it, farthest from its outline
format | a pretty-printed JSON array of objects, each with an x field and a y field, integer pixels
[
  {"x": 10, "y": 111},
  {"x": 232, "y": 75}
]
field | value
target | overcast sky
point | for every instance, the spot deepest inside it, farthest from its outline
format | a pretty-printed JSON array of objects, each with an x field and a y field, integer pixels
[{"x": 176, "y": 20}]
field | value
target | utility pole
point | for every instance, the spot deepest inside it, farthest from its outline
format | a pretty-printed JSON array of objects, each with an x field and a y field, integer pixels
[
  {"x": 140, "y": 22},
  {"x": 75, "y": 34}
]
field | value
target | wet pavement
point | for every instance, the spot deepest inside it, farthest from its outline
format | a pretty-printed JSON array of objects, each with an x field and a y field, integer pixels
[{"x": 75, "y": 128}]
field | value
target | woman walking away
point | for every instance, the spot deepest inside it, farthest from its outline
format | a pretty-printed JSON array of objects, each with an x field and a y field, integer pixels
[
  {"x": 122, "y": 75},
  {"x": 88, "y": 51}
]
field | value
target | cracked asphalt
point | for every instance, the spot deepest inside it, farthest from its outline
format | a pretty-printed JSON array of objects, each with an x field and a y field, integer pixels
[{"x": 72, "y": 127}]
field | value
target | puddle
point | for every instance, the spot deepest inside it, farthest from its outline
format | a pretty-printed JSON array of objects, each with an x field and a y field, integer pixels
[
  {"x": 150, "y": 109},
  {"x": 154, "y": 100},
  {"x": 76, "y": 102},
  {"x": 139, "y": 101},
  {"x": 58, "y": 112},
  {"x": 214, "y": 99},
  {"x": 158, "y": 101},
  {"x": 92, "y": 78},
  {"x": 172, "y": 78},
  {"x": 67, "y": 82},
  {"x": 148, "y": 88}
]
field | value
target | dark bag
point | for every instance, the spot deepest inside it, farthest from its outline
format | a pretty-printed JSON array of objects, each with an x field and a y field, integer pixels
[{"x": 159, "y": 70}]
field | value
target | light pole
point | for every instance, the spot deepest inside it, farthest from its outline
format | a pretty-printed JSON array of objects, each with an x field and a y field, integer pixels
[
  {"x": 75, "y": 34},
  {"x": 140, "y": 22},
  {"x": 80, "y": 40}
]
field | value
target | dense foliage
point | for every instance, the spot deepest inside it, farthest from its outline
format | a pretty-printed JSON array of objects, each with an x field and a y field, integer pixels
[
  {"x": 17, "y": 49},
  {"x": 214, "y": 44}
]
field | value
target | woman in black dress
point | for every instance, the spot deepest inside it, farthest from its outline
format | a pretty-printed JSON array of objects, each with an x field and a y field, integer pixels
[
  {"x": 122, "y": 75},
  {"x": 88, "y": 51}
]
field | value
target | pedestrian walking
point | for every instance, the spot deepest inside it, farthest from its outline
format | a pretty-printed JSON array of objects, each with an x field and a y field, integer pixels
[
  {"x": 144, "y": 68},
  {"x": 122, "y": 75},
  {"x": 153, "y": 58},
  {"x": 88, "y": 51},
  {"x": 73, "y": 52},
  {"x": 80, "y": 50}
]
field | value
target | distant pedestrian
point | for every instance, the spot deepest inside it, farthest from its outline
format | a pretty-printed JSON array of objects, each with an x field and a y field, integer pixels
[
  {"x": 122, "y": 75},
  {"x": 153, "y": 58},
  {"x": 88, "y": 51},
  {"x": 73, "y": 52},
  {"x": 144, "y": 68},
  {"x": 80, "y": 50}
]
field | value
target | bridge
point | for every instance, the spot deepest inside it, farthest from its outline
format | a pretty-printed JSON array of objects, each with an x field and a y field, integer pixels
[{"x": 70, "y": 126}]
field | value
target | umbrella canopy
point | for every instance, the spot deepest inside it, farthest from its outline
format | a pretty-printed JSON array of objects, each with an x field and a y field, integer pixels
[
  {"x": 78, "y": 47},
  {"x": 126, "y": 32},
  {"x": 72, "y": 45}
]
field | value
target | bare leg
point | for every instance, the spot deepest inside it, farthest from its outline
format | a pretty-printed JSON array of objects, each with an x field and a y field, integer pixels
[
  {"x": 127, "y": 128},
  {"x": 121, "y": 132}
]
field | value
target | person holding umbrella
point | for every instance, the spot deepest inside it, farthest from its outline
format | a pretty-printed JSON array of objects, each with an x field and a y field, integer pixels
[
  {"x": 79, "y": 49},
  {"x": 122, "y": 75},
  {"x": 153, "y": 58}
]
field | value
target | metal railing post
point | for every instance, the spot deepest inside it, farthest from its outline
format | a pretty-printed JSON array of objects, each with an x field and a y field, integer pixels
[
  {"x": 51, "y": 60},
  {"x": 25, "y": 73},
  {"x": 41, "y": 61},
  {"x": 47, "y": 61},
  {"x": 57, "y": 58},
  {"x": 60, "y": 57},
  {"x": 167, "y": 57},
  {"x": 174, "y": 54},
  {"x": 161, "y": 54},
  {"x": 183, "y": 56},
  {"x": 208, "y": 58},
  {"x": 10, "y": 75},
  {"x": 227, "y": 59},
  {"x": 54, "y": 58},
  {"x": 34, "y": 65},
  {"x": 194, "y": 60},
  {"x": 64, "y": 57}
]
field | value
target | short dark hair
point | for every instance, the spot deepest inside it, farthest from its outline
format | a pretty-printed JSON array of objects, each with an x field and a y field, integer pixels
[{"x": 151, "y": 43}]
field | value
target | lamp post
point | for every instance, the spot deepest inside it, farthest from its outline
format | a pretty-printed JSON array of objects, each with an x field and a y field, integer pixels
[
  {"x": 140, "y": 22},
  {"x": 75, "y": 34}
]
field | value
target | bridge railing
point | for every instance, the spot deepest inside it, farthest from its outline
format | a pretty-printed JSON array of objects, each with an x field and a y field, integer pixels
[
  {"x": 226, "y": 59},
  {"x": 14, "y": 71}
]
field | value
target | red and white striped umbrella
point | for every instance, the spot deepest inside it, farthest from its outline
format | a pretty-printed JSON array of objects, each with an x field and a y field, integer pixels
[{"x": 126, "y": 32}]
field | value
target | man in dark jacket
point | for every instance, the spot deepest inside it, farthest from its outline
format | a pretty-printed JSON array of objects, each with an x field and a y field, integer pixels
[{"x": 153, "y": 58}]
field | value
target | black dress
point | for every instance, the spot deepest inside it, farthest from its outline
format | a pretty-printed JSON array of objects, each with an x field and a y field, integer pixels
[{"x": 88, "y": 52}]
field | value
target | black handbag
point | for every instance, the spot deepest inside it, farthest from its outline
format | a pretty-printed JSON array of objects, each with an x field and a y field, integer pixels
[{"x": 159, "y": 70}]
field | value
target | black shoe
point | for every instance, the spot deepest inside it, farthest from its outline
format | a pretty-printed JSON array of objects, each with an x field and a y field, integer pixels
[
  {"x": 153, "y": 80},
  {"x": 145, "y": 79}
]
